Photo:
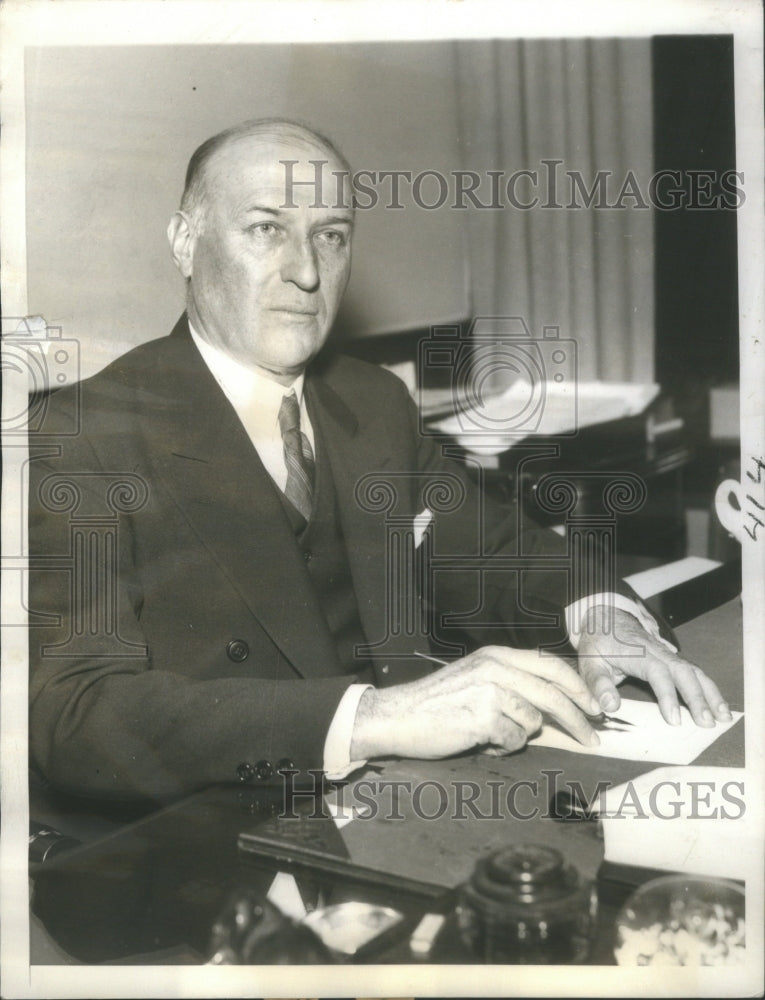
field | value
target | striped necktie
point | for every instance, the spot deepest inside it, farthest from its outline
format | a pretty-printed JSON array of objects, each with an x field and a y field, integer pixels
[{"x": 298, "y": 457}]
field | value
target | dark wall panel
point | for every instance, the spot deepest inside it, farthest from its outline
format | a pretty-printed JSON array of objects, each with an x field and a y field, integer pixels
[{"x": 696, "y": 269}]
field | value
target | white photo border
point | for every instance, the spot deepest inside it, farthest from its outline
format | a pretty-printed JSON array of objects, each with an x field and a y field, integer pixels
[{"x": 152, "y": 22}]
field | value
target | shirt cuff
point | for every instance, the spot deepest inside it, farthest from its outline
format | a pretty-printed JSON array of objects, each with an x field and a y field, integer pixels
[
  {"x": 576, "y": 614},
  {"x": 337, "y": 746}
]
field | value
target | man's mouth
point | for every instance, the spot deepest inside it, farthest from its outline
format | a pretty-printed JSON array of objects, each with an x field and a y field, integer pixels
[{"x": 295, "y": 311}]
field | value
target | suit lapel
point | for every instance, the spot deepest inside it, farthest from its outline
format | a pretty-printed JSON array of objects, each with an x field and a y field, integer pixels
[
  {"x": 357, "y": 446},
  {"x": 217, "y": 479}
]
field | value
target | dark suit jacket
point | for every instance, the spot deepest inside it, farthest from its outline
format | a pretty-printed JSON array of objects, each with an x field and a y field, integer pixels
[{"x": 197, "y": 644}]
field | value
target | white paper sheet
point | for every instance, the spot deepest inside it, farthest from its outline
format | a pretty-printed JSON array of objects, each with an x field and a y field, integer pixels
[
  {"x": 653, "y": 581},
  {"x": 285, "y": 895},
  {"x": 651, "y": 738},
  {"x": 496, "y": 425},
  {"x": 682, "y": 819}
]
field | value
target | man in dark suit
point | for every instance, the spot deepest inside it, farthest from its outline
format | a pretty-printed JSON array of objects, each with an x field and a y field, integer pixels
[{"x": 213, "y": 544}]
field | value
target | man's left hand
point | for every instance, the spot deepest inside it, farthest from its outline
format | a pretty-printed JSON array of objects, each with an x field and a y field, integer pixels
[{"x": 610, "y": 650}]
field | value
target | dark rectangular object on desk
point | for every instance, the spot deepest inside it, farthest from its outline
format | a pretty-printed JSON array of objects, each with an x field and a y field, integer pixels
[
  {"x": 704, "y": 593},
  {"x": 285, "y": 853}
]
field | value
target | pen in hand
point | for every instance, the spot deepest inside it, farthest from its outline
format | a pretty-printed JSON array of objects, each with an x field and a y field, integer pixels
[
  {"x": 600, "y": 721},
  {"x": 433, "y": 659},
  {"x": 604, "y": 721}
]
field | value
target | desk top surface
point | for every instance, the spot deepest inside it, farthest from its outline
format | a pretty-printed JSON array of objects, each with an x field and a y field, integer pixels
[{"x": 162, "y": 880}]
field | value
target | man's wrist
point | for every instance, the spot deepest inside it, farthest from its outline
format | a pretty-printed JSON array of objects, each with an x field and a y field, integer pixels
[
  {"x": 578, "y": 620},
  {"x": 364, "y": 740},
  {"x": 339, "y": 759},
  {"x": 378, "y": 722}
]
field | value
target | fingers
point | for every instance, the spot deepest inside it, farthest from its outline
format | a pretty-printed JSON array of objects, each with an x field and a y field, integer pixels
[
  {"x": 603, "y": 660},
  {"x": 509, "y": 737},
  {"x": 715, "y": 700},
  {"x": 525, "y": 684},
  {"x": 552, "y": 669},
  {"x": 599, "y": 678},
  {"x": 666, "y": 680},
  {"x": 699, "y": 692},
  {"x": 530, "y": 696},
  {"x": 505, "y": 719},
  {"x": 687, "y": 683},
  {"x": 663, "y": 685},
  {"x": 556, "y": 671}
]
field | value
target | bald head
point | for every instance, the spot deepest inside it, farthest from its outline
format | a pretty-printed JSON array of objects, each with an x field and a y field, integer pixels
[{"x": 271, "y": 131}]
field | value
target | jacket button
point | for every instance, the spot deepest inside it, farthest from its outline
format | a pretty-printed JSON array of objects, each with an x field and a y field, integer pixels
[
  {"x": 264, "y": 769},
  {"x": 285, "y": 764},
  {"x": 308, "y": 555},
  {"x": 385, "y": 668},
  {"x": 237, "y": 650},
  {"x": 245, "y": 772}
]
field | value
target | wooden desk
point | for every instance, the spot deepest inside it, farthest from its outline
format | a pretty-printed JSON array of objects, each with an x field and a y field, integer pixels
[{"x": 150, "y": 892}]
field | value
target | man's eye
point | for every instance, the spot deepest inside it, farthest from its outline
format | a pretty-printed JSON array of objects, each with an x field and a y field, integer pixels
[
  {"x": 263, "y": 228},
  {"x": 333, "y": 237}
]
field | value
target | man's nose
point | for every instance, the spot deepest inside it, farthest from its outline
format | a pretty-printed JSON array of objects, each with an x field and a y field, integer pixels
[{"x": 299, "y": 264}]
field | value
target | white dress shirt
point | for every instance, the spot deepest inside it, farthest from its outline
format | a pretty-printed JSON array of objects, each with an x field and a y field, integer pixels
[{"x": 256, "y": 397}]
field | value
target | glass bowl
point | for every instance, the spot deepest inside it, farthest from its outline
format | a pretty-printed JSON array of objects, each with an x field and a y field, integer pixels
[{"x": 682, "y": 920}]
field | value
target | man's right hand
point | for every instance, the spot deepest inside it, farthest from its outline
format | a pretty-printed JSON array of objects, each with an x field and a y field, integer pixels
[{"x": 494, "y": 699}]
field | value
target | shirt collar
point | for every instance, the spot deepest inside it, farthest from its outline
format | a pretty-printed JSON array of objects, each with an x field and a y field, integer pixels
[{"x": 243, "y": 384}]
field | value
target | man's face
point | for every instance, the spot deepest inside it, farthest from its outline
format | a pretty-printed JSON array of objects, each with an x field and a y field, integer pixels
[{"x": 265, "y": 279}]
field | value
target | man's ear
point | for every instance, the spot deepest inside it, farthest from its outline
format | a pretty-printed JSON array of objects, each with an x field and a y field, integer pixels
[{"x": 181, "y": 239}]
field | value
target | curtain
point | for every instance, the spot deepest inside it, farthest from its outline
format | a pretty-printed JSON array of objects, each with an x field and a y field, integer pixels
[{"x": 555, "y": 108}]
